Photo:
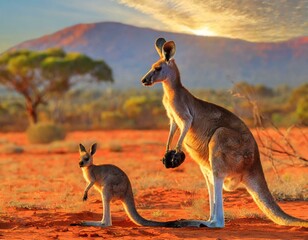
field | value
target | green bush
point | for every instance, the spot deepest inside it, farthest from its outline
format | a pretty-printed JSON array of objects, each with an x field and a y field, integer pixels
[
  {"x": 45, "y": 133},
  {"x": 302, "y": 110}
]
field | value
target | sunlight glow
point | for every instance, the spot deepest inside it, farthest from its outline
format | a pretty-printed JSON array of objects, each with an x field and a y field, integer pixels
[{"x": 203, "y": 32}]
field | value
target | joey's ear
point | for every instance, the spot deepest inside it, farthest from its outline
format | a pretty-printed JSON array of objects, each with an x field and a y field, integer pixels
[
  {"x": 93, "y": 149},
  {"x": 82, "y": 148},
  {"x": 159, "y": 46},
  {"x": 168, "y": 50}
]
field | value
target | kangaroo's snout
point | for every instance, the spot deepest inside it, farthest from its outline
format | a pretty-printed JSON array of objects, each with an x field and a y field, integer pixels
[
  {"x": 143, "y": 81},
  {"x": 147, "y": 80},
  {"x": 81, "y": 164}
]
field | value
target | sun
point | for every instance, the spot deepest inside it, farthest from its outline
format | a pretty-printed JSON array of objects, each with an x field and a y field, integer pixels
[{"x": 203, "y": 32}]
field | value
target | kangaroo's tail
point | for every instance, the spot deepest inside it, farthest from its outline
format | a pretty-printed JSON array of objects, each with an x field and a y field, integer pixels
[
  {"x": 130, "y": 209},
  {"x": 257, "y": 187}
]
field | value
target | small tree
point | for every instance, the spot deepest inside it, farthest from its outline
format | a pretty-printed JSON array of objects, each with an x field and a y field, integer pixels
[
  {"x": 37, "y": 75},
  {"x": 302, "y": 110}
]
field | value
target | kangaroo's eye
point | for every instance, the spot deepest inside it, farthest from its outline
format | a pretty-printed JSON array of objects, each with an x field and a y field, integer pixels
[
  {"x": 158, "y": 68},
  {"x": 86, "y": 159}
]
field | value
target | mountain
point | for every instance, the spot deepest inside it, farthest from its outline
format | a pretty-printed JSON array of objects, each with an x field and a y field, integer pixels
[{"x": 208, "y": 62}]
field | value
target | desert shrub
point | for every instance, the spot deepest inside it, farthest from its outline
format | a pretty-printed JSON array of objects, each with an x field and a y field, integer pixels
[
  {"x": 115, "y": 147},
  {"x": 45, "y": 133},
  {"x": 302, "y": 110}
]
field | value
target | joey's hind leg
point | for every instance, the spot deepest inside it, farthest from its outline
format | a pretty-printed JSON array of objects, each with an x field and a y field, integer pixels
[
  {"x": 106, "y": 220},
  {"x": 106, "y": 198}
]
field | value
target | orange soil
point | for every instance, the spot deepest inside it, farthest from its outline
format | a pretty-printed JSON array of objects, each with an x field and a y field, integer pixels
[{"x": 42, "y": 189}]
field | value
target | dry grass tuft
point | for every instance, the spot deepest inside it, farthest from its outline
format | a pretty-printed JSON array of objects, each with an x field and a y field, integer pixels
[
  {"x": 115, "y": 147},
  {"x": 63, "y": 146},
  {"x": 159, "y": 214},
  {"x": 290, "y": 187},
  {"x": 9, "y": 148},
  {"x": 199, "y": 209},
  {"x": 242, "y": 212}
]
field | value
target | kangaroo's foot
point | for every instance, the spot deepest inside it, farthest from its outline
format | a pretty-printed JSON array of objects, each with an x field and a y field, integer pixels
[
  {"x": 199, "y": 223},
  {"x": 92, "y": 224},
  {"x": 173, "y": 159}
]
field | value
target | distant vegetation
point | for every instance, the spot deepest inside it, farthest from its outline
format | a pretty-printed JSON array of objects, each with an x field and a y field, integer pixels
[
  {"x": 54, "y": 86},
  {"x": 88, "y": 108}
]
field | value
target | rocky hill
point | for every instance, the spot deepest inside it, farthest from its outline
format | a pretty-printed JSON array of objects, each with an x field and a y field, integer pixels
[{"x": 208, "y": 62}]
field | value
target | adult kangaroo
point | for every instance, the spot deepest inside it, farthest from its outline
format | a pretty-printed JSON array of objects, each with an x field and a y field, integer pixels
[{"x": 216, "y": 139}]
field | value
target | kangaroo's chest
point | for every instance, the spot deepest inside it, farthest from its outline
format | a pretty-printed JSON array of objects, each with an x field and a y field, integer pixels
[
  {"x": 197, "y": 137},
  {"x": 86, "y": 176},
  {"x": 90, "y": 176},
  {"x": 175, "y": 111}
]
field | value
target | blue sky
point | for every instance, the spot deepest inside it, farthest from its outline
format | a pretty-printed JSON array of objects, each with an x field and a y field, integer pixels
[
  {"x": 252, "y": 20},
  {"x": 22, "y": 20}
]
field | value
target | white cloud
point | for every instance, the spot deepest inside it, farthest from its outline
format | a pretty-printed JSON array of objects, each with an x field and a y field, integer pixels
[{"x": 254, "y": 20}]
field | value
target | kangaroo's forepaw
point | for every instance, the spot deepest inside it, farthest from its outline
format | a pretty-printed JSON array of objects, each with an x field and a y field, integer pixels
[
  {"x": 85, "y": 197},
  {"x": 173, "y": 159},
  {"x": 178, "y": 158}
]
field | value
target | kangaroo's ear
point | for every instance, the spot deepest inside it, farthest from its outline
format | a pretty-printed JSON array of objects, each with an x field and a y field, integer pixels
[
  {"x": 82, "y": 148},
  {"x": 159, "y": 46},
  {"x": 93, "y": 149},
  {"x": 168, "y": 50}
]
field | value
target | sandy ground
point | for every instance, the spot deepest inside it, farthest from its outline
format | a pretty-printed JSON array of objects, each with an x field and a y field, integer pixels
[{"x": 42, "y": 189}]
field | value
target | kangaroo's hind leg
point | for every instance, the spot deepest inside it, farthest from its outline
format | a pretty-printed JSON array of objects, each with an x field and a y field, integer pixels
[
  {"x": 215, "y": 174},
  {"x": 217, "y": 220},
  {"x": 210, "y": 189},
  {"x": 215, "y": 188},
  {"x": 106, "y": 198},
  {"x": 106, "y": 220},
  {"x": 216, "y": 203}
]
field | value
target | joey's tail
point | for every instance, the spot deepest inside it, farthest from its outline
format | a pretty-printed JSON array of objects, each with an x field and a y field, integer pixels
[
  {"x": 130, "y": 209},
  {"x": 257, "y": 187}
]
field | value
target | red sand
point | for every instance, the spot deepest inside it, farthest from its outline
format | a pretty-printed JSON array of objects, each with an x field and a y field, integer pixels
[{"x": 42, "y": 189}]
